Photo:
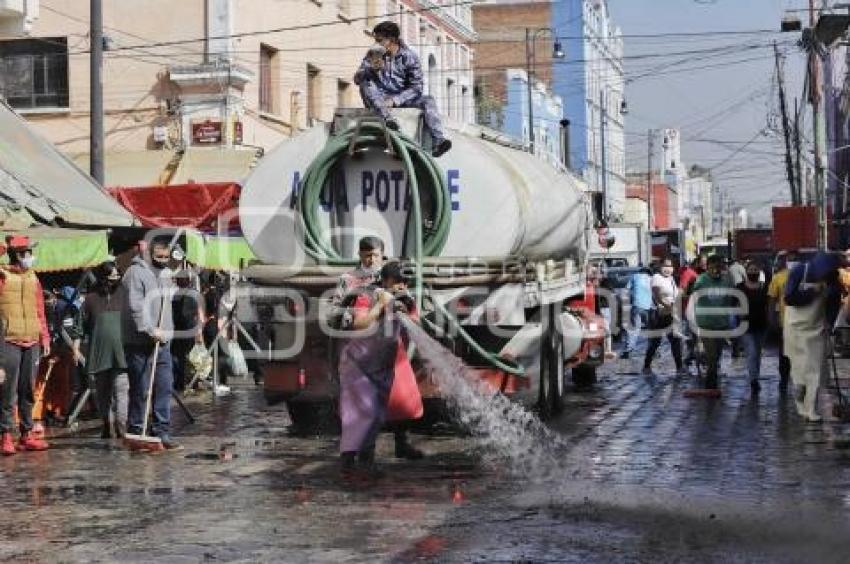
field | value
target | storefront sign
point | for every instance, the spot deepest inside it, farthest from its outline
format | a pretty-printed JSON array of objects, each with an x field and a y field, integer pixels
[{"x": 206, "y": 132}]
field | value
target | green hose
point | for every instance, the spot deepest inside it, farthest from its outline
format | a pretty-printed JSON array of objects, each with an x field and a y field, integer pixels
[{"x": 416, "y": 162}]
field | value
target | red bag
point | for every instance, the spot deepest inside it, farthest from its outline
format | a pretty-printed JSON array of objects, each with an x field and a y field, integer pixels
[{"x": 405, "y": 401}]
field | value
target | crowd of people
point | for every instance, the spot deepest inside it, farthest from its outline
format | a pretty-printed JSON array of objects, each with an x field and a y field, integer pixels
[
  {"x": 104, "y": 331},
  {"x": 711, "y": 304}
]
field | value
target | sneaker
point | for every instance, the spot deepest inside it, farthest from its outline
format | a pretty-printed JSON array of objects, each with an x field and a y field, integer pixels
[
  {"x": 30, "y": 442},
  {"x": 408, "y": 452},
  {"x": 441, "y": 147},
  {"x": 392, "y": 124},
  {"x": 7, "y": 445},
  {"x": 222, "y": 390}
]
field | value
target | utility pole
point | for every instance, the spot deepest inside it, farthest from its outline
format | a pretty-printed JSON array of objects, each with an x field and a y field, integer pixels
[
  {"x": 650, "y": 146},
  {"x": 818, "y": 128},
  {"x": 529, "y": 71},
  {"x": 789, "y": 166},
  {"x": 603, "y": 116},
  {"x": 96, "y": 118},
  {"x": 797, "y": 199}
]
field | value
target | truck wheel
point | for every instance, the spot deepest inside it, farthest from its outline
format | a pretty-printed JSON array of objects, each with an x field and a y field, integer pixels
[
  {"x": 313, "y": 417},
  {"x": 584, "y": 378},
  {"x": 551, "y": 369}
]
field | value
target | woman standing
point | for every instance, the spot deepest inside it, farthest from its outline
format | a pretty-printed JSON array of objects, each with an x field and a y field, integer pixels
[
  {"x": 101, "y": 316},
  {"x": 756, "y": 319}
]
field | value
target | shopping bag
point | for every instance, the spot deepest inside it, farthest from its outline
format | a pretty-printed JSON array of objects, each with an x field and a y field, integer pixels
[
  {"x": 236, "y": 360},
  {"x": 405, "y": 401}
]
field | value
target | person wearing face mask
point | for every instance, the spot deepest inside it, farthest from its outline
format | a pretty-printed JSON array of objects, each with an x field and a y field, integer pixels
[
  {"x": 712, "y": 294},
  {"x": 105, "y": 361},
  {"x": 147, "y": 319},
  {"x": 776, "y": 311},
  {"x": 390, "y": 76},
  {"x": 812, "y": 303},
  {"x": 756, "y": 319},
  {"x": 665, "y": 293},
  {"x": 349, "y": 285},
  {"x": 27, "y": 339}
]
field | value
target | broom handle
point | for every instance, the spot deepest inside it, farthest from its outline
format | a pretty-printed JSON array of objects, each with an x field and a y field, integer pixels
[{"x": 154, "y": 358}]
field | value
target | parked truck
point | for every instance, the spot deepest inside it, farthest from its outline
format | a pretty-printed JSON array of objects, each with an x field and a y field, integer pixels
[
  {"x": 498, "y": 237},
  {"x": 630, "y": 248}
]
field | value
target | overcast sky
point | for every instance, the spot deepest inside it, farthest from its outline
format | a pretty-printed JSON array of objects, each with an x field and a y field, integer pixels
[{"x": 722, "y": 93}]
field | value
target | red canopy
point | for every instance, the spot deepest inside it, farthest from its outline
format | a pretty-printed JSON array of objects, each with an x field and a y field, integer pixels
[{"x": 182, "y": 205}]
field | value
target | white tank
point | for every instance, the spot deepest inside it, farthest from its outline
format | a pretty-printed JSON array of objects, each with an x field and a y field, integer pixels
[{"x": 505, "y": 202}]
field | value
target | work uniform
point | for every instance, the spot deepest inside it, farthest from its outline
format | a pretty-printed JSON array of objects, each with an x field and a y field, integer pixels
[
  {"x": 22, "y": 314},
  {"x": 367, "y": 367},
  {"x": 400, "y": 80}
]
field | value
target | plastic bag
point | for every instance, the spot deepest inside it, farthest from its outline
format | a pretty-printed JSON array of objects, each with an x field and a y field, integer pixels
[
  {"x": 200, "y": 362},
  {"x": 236, "y": 360}
]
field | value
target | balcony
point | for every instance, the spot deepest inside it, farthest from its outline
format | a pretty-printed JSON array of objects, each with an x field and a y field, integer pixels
[
  {"x": 210, "y": 74},
  {"x": 17, "y": 17}
]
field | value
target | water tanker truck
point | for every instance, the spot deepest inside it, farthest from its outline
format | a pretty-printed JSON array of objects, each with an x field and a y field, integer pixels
[{"x": 497, "y": 236}]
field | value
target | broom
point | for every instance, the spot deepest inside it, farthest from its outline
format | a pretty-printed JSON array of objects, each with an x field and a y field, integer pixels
[
  {"x": 38, "y": 427},
  {"x": 145, "y": 441}
]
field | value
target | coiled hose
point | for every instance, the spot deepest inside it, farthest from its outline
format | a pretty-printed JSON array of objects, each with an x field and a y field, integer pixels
[{"x": 417, "y": 164}]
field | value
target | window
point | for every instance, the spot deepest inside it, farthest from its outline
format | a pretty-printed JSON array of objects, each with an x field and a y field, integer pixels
[
  {"x": 450, "y": 94},
  {"x": 269, "y": 81},
  {"x": 314, "y": 95},
  {"x": 34, "y": 72},
  {"x": 343, "y": 94}
]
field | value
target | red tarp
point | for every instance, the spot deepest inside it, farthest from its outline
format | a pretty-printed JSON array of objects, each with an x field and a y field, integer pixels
[{"x": 182, "y": 205}]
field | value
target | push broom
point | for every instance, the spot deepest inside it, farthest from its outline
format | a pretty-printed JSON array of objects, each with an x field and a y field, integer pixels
[{"x": 144, "y": 441}]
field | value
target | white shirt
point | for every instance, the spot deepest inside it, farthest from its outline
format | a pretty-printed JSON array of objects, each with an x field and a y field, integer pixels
[{"x": 667, "y": 289}]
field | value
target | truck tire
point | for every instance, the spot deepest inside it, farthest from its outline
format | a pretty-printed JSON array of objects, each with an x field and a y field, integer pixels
[
  {"x": 313, "y": 417},
  {"x": 551, "y": 396}
]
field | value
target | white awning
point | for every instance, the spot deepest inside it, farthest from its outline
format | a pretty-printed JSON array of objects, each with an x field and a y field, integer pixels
[{"x": 35, "y": 176}]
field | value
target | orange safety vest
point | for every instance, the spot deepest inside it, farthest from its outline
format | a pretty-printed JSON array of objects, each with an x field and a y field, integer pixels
[{"x": 18, "y": 305}]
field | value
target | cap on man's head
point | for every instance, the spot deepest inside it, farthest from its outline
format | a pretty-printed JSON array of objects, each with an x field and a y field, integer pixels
[
  {"x": 371, "y": 243},
  {"x": 19, "y": 243},
  {"x": 388, "y": 30}
]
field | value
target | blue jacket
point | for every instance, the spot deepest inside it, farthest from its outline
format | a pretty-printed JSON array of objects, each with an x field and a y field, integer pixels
[{"x": 401, "y": 78}]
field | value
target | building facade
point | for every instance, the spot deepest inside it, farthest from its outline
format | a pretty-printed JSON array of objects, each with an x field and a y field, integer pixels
[
  {"x": 548, "y": 112},
  {"x": 17, "y": 17},
  {"x": 663, "y": 203},
  {"x": 593, "y": 95},
  {"x": 204, "y": 74},
  {"x": 696, "y": 203}
]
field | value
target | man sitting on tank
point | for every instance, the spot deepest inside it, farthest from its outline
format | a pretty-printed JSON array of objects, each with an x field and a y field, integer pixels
[{"x": 390, "y": 76}]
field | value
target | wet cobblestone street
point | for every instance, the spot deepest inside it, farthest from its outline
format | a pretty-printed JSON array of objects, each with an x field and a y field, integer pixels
[{"x": 649, "y": 476}]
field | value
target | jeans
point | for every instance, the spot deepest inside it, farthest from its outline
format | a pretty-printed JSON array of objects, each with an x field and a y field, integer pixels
[
  {"x": 21, "y": 365},
  {"x": 638, "y": 319},
  {"x": 112, "y": 387},
  {"x": 753, "y": 343},
  {"x": 662, "y": 322},
  {"x": 138, "y": 371},
  {"x": 713, "y": 350},
  {"x": 373, "y": 98}
]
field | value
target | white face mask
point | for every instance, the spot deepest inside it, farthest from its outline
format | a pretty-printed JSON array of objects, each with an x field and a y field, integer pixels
[
  {"x": 667, "y": 271},
  {"x": 27, "y": 262}
]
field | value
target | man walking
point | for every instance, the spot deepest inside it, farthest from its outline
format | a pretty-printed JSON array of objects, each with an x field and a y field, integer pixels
[
  {"x": 713, "y": 293},
  {"x": 776, "y": 311},
  {"x": 640, "y": 303},
  {"x": 146, "y": 320},
  {"x": 26, "y": 339},
  {"x": 665, "y": 293},
  {"x": 394, "y": 80}
]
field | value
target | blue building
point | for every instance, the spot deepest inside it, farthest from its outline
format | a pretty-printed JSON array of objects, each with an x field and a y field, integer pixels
[
  {"x": 548, "y": 113},
  {"x": 590, "y": 82}
]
